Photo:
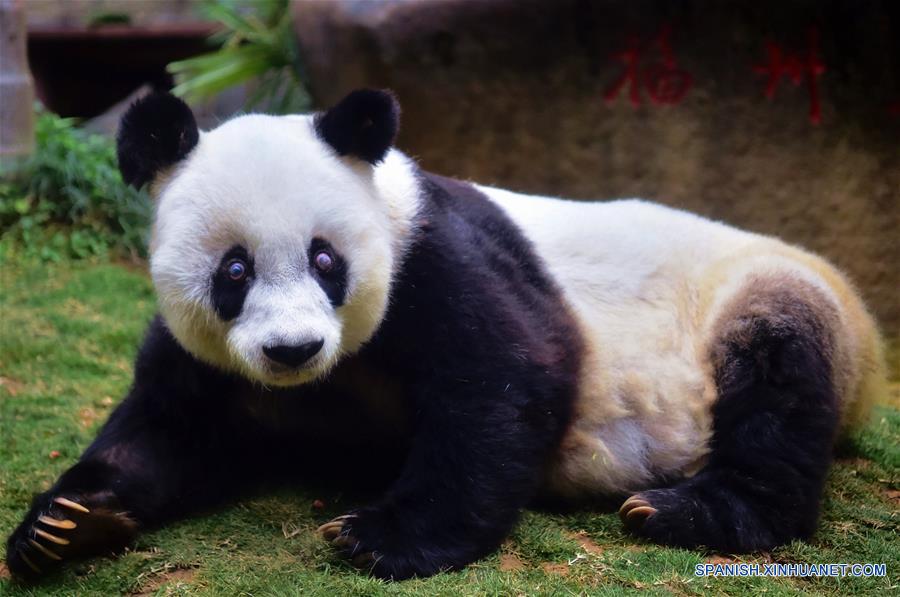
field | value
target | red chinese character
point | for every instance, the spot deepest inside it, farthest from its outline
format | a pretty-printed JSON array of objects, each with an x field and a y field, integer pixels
[
  {"x": 797, "y": 67},
  {"x": 664, "y": 81}
]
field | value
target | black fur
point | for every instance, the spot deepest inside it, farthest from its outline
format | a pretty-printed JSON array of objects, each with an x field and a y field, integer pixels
[
  {"x": 157, "y": 131},
  {"x": 478, "y": 332},
  {"x": 228, "y": 295},
  {"x": 333, "y": 282},
  {"x": 477, "y": 357},
  {"x": 774, "y": 425},
  {"x": 363, "y": 124}
]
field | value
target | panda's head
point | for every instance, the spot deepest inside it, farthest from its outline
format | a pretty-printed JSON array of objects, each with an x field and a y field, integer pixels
[{"x": 271, "y": 249}]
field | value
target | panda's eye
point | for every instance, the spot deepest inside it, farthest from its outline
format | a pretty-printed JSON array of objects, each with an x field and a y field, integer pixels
[
  {"x": 323, "y": 261},
  {"x": 231, "y": 282},
  {"x": 237, "y": 270},
  {"x": 329, "y": 269}
]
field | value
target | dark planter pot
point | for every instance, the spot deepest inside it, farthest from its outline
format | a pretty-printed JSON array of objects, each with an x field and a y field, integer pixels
[{"x": 82, "y": 72}]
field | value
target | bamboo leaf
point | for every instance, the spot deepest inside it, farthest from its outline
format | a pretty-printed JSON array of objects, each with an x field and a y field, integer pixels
[{"x": 256, "y": 42}]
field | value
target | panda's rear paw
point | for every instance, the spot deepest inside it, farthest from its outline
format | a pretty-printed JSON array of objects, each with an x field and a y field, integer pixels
[
  {"x": 635, "y": 512},
  {"x": 61, "y": 528},
  {"x": 372, "y": 542},
  {"x": 674, "y": 516}
]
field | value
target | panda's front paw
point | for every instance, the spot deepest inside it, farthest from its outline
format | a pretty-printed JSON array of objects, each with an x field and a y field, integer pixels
[
  {"x": 62, "y": 527},
  {"x": 337, "y": 532},
  {"x": 373, "y": 541}
]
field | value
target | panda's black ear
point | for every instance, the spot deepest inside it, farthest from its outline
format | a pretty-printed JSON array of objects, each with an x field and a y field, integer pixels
[
  {"x": 363, "y": 124},
  {"x": 158, "y": 130}
]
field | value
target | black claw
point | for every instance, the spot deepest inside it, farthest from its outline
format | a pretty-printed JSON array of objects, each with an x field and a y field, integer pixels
[
  {"x": 344, "y": 541},
  {"x": 44, "y": 550},
  {"x": 31, "y": 564},
  {"x": 364, "y": 560}
]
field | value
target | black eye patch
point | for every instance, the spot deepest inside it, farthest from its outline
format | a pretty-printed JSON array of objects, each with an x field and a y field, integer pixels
[
  {"x": 333, "y": 280},
  {"x": 231, "y": 281}
]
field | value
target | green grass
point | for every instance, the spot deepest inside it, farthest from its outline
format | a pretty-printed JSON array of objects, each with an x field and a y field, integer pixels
[{"x": 68, "y": 334}]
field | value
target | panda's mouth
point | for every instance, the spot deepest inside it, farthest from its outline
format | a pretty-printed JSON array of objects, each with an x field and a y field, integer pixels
[
  {"x": 278, "y": 369},
  {"x": 286, "y": 376}
]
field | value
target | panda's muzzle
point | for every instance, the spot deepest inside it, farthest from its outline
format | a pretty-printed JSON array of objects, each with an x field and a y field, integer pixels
[{"x": 293, "y": 356}]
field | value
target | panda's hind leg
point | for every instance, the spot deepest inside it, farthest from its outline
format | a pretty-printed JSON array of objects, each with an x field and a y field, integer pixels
[{"x": 774, "y": 424}]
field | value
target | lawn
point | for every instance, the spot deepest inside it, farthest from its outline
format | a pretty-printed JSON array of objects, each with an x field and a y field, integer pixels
[{"x": 68, "y": 333}]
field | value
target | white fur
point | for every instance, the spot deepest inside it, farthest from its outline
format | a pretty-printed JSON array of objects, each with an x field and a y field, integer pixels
[
  {"x": 645, "y": 282},
  {"x": 271, "y": 185}
]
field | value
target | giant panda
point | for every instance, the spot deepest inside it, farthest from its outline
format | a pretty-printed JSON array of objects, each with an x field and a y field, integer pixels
[{"x": 331, "y": 312}]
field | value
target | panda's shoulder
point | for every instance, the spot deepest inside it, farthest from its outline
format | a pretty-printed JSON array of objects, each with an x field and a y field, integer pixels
[
  {"x": 167, "y": 375},
  {"x": 462, "y": 217},
  {"x": 469, "y": 263}
]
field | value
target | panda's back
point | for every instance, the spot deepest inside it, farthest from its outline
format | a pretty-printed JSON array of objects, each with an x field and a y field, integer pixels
[
  {"x": 645, "y": 284},
  {"x": 636, "y": 274}
]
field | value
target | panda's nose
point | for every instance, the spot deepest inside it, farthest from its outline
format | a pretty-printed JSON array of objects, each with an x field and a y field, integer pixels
[{"x": 293, "y": 355}]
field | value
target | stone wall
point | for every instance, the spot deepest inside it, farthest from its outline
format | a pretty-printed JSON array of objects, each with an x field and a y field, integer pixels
[
  {"x": 78, "y": 13},
  {"x": 538, "y": 97}
]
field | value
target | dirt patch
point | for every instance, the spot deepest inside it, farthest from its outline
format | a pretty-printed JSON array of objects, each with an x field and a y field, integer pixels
[
  {"x": 553, "y": 568},
  {"x": 586, "y": 543},
  {"x": 720, "y": 559},
  {"x": 11, "y": 386},
  {"x": 845, "y": 526},
  {"x": 761, "y": 557},
  {"x": 893, "y": 496},
  {"x": 859, "y": 464},
  {"x": 510, "y": 562},
  {"x": 87, "y": 417},
  {"x": 77, "y": 308},
  {"x": 4, "y": 572},
  {"x": 174, "y": 576}
]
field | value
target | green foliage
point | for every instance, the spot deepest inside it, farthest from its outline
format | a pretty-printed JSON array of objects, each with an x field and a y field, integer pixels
[
  {"x": 68, "y": 199},
  {"x": 256, "y": 43}
]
